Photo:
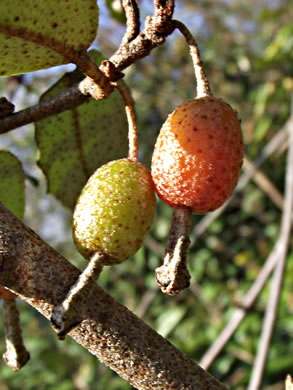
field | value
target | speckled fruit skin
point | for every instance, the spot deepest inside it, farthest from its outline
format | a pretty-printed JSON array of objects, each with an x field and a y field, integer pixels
[
  {"x": 198, "y": 155},
  {"x": 114, "y": 211}
]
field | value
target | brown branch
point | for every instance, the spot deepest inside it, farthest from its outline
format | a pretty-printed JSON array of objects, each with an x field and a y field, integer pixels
[
  {"x": 132, "y": 19},
  {"x": 132, "y": 127},
  {"x": 66, "y": 100},
  {"x": 157, "y": 28},
  {"x": 203, "y": 88},
  {"x": 42, "y": 277}
]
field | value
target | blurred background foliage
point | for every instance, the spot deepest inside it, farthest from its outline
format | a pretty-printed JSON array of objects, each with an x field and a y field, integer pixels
[{"x": 247, "y": 47}]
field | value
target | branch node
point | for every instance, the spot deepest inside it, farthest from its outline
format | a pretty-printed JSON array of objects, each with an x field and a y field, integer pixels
[
  {"x": 110, "y": 71},
  {"x": 88, "y": 87}
]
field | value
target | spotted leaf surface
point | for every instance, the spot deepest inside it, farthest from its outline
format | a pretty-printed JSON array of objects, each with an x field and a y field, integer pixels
[
  {"x": 73, "y": 144},
  {"x": 114, "y": 211},
  {"x": 198, "y": 155},
  {"x": 11, "y": 183},
  {"x": 37, "y": 34}
]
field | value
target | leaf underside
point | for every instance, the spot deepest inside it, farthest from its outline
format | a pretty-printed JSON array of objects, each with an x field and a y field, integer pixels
[
  {"x": 73, "y": 144},
  {"x": 38, "y": 34},
  {"x": 12, "y": 183}
]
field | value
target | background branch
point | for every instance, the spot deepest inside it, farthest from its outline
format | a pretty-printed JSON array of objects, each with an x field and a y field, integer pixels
[
  {"x": 265, "y": 272},
  {"x": 42, "y": 277},
  {"x": 277, "y": 281},
  {"x": 239, "y": 315}
]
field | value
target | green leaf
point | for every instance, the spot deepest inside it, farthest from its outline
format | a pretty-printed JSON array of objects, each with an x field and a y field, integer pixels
[
  {"x": 281, "y": 45},
  {"x": 12, "y": 183},
  {"x": 169, "y": 319},
  {"x": 262, "y": 127},
  {"x": 73, "y": 144},
  {"x": 38, "y": 34}
]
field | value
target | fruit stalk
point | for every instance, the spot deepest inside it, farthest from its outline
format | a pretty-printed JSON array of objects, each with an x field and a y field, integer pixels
[
  {"x": 203, "y": 88},
  {"x": 69, "y": 313},
  {"x": 173, "y": 276},
  {"x": 16, "y": 354},
  {"x": 132, "y": 129}
]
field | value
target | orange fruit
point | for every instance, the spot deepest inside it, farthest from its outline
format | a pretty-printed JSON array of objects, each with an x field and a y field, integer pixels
[{"x": 198, "y": 155}]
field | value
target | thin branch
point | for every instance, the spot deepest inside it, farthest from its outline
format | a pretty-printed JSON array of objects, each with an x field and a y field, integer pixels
[
  {"x": 157, "y": 28},
  {"x": 66, "y": 100},
  {"x": 132, "y": 21},
  {"x": 240, "y": 313},
  {"x": 42, "y": 277},
  {"x": 277, "y": 281},
  {"x": 203, "y": 88},
  {"x": 265, "y": 184},
  {"x": 132, "y": 128}
]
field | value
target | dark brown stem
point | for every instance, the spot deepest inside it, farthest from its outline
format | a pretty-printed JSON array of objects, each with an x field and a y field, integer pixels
[
  {"x": 67, "y": 315},
  {"x": 16, "y": 354},
  {"x": 68, "y": 99},
  {"x": 6, "y": 107},
  {"x": 203, "y": 88},
  {"x": 157, "y": 28},
  {"x": 173, "y": 276},
  {"x": 42, "y": 277},
  {"x": 132, "y": 17},
  {"x": 132, "y": 128}
]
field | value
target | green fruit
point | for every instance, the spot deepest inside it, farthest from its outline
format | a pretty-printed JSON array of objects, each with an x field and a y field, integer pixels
[{"x": 114, "y": 211}]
